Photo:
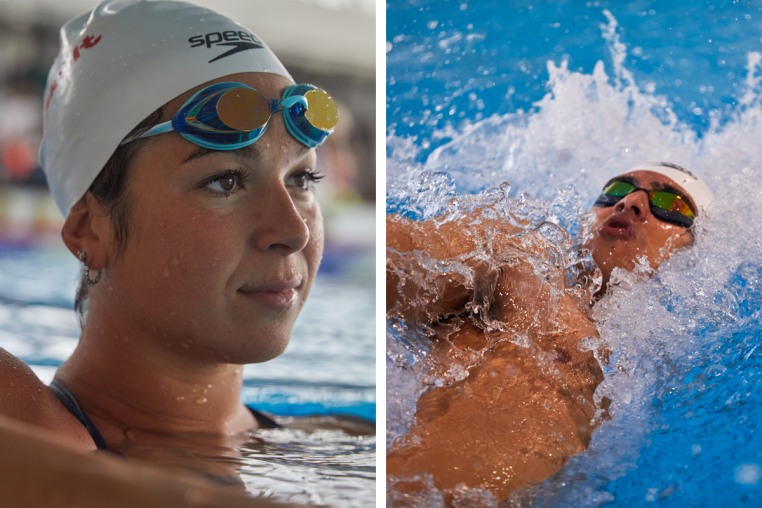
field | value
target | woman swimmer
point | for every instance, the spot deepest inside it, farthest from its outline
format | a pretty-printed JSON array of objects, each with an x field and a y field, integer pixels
[
  {"x": 182, "y": 156},
  {"x": 507, "y": 317}
]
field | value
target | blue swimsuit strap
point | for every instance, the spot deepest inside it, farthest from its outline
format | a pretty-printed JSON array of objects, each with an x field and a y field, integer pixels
[
  {"x": 70, "y": 403},
  {"x": 67, "y": 399}
]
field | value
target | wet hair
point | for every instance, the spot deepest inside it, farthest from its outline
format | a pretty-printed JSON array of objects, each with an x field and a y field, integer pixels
[{"x": 110, "y": 189}]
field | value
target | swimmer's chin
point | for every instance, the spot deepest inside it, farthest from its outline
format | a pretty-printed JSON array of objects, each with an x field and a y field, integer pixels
[{"x": 254, "y": 349}]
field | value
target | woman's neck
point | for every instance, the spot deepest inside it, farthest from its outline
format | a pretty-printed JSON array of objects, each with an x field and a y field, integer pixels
[{"x": 124, "y": 383}]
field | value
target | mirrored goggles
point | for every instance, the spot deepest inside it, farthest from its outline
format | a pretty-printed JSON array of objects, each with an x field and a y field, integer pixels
[
  {"x": 230, "y": 115},
  {"x": 666, "y": 206}
]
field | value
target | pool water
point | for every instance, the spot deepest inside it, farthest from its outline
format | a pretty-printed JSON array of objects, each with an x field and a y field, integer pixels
[
  {"x": 555, "y": 98},
  {"x": 327, "y": 370}
]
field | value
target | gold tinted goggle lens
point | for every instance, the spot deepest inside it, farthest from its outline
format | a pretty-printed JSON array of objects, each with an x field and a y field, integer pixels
[
  {"x": 671, "y": 202},
  {"x": 243, "y": 109},
  {"x": 322, "y": 112}
]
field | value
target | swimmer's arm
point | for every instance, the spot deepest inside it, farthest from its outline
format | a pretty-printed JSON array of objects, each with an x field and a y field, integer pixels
[
  {"x": 507, "y": 425},
  {"x": 420, "y": 294},
  {"x": 523, "y": 411}
]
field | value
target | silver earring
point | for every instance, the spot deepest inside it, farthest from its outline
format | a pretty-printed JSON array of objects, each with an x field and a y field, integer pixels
[{"x": 86, "y": 269}]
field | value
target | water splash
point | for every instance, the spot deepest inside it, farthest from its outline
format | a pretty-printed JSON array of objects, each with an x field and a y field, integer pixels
[{"x": 673, "y": 335}]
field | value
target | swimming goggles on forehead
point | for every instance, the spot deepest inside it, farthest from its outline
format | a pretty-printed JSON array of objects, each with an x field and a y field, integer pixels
[
  {"x": 666, "y": 206},
  {"x": 230, "y": 115}
]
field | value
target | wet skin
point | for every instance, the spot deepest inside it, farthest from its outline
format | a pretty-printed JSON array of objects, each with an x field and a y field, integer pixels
[
  {"x": 224, "y": 245},
  {"x": 621, "y": 233},
  {"x": 526, "y": 405},
  {"x": 523, "y": 409}
]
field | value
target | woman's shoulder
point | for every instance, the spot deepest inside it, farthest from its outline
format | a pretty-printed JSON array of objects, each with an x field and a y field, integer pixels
[
  {"x": 352, "y": 425},
  {"x": 24, "y": 389},
  {"x": 28, "y": 400}
]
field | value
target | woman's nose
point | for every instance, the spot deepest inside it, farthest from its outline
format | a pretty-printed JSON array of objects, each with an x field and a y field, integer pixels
[
  {"x": 636, "y": 202},
  {"x": 281, "y": 225}
]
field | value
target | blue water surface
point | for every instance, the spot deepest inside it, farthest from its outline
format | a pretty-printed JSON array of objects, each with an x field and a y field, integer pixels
[{"x": 450, "y": 61}]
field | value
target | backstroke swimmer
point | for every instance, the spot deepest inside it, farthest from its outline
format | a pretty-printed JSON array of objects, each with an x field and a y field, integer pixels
[
  {"x": 508, "y": 317},
  {"x": 182, "y": 155}
]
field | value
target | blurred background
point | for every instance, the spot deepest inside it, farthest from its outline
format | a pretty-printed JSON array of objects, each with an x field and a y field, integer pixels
[{"x": 326, "y": 42}]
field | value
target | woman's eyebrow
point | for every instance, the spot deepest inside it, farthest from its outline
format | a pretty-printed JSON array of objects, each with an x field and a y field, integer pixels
[
  {"x": 247, "y": 152},
  {"x": 251, "y": 152}
]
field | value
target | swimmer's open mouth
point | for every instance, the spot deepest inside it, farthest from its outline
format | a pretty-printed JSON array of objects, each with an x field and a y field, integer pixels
[{"x": 617, "y": 226}]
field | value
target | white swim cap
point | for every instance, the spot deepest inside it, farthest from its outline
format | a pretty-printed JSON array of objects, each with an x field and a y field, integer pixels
[
  {"x": 121, "y": 62},
  {"x": 692, "y": 184}
]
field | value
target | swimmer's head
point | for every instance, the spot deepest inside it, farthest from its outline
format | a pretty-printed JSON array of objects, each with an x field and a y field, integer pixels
[
  {"x": 117, "y": 65},
  {"x": 649, "y": 211}
]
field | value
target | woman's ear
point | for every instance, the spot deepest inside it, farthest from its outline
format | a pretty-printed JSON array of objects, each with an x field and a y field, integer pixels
[{"x": 87, "y": 229}]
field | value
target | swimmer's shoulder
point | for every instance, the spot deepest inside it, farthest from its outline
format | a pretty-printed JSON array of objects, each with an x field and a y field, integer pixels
[
  {"x": 28, "y": 400},
  {"x": 352, "y": 425},
  {"x": 24, "y": 391}
]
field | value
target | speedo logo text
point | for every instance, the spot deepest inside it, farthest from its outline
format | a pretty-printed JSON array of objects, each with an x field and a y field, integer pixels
[{"x": 237, "y": 41}]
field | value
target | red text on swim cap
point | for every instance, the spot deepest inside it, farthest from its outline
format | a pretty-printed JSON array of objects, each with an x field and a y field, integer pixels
[{"x": 88, "y": 41}]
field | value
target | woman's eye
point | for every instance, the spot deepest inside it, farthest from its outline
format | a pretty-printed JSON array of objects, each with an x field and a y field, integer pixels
[
  {"x": 226, "y": 184},
  {"x": 304, "y": 180}
]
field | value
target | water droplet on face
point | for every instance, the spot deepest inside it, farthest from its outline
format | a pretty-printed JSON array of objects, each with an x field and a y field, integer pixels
[
  {"x": 200, "y": 400},
  {"x": 180, "y": 398}
]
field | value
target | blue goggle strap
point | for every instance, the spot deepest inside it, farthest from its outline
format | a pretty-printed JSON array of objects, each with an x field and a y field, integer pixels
[{"x": 296, "y": 123}]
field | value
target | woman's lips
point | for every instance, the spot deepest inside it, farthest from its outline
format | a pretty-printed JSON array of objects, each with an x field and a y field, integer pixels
[
  {"x": 617, "y": 226},
  {"x": 277, "y": 295}
]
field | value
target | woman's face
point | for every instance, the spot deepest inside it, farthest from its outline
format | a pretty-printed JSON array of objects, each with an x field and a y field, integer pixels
[
  {"x": 622, "y": 233},
  {"x": 223, "y": 245}
]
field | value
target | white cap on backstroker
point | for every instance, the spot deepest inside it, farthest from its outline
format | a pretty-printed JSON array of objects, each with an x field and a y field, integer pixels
[
  {"x": 692, "y": 184},
  {"x": 118, "y": 64}
]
